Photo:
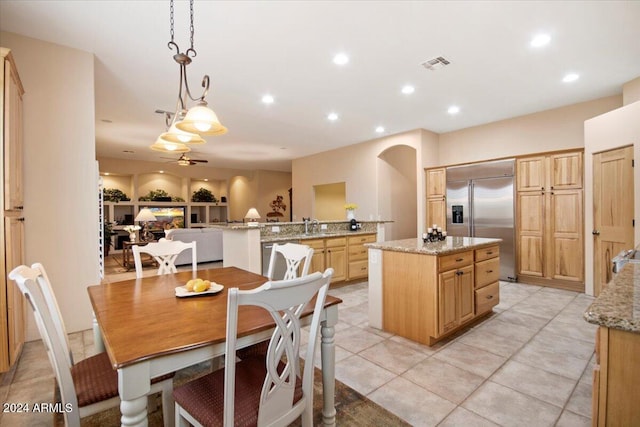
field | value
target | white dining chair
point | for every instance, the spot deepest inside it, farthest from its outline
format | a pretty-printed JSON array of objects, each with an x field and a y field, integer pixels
[
  {"x": 267, "y": 390},
  {"x": 164, "y": 252},
  {"x": 90, "y": 385},
  {"x": 295, "y": 255}
]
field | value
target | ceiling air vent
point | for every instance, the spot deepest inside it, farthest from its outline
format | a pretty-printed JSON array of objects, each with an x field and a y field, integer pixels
[{"x": 435, "y": 63}]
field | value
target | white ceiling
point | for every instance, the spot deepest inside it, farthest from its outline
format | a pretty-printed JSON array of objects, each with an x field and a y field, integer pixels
[{"x": 285, "y": 48}]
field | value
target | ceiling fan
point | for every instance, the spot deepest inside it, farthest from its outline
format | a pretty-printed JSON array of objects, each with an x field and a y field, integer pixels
[{"x": 183, "y": 160}]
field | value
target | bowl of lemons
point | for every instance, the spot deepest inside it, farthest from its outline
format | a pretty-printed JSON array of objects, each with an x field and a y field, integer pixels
[{"x": 198, "y": 286}]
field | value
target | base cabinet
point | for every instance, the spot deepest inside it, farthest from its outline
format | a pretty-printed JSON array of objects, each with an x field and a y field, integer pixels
[
  {"x": 348, "y": 256},
  {"x": 616, "y": 377},
  {"x": 428, "y": 297}
]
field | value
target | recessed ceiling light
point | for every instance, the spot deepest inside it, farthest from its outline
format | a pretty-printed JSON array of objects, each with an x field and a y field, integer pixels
[
  {"x": 454, "y": 109},
  {"x": 341, "y": 59},
  {"x": 408, "y": 89},
  {"x": 379, "y": 129},
  {"x": 106, "y": 174},
  {"x": 571, "y": 77},
  {"x": 161, "y": 171},
  {"x": 540, "y": 40},
  {"x": 206, "y": 180},
  {"x": 268, "y": 99},
  {"x": 332, "y": 116}
]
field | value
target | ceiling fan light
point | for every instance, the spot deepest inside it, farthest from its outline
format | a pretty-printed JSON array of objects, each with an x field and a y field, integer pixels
[
  {"x": 169, "y": 147},
  {"x": 183, "y": 162},
  {"x": 201, "y": 120}
]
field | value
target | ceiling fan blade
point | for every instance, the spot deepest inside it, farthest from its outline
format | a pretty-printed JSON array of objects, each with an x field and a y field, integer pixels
[{"x": 199, "y": 161}]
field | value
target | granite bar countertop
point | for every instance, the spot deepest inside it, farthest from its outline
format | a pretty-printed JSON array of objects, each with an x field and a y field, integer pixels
[
  {"x": 319, "y": 235},
  {"x": 618, "y": 305},
  {"x": 452, "y": 244}
]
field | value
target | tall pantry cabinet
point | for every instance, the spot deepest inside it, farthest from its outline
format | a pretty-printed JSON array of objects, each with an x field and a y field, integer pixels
[
  {"x": 436, "y": 183},
  {"x": 550, "y": 215},
  {"x": 12, "y": 304}
]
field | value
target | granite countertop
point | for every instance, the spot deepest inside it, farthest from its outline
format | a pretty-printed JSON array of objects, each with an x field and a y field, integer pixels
[
  {"x": 618, "y": 305},
  {"x": 452, "y": 244},
  {"x": 314, "y": 236}
]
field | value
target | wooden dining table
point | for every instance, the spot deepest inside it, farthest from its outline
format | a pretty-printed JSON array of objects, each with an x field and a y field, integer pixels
[{"x": 148, "y": 331}]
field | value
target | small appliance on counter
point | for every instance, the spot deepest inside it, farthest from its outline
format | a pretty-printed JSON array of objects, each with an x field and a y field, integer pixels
[
  {"x": 353, "y": 225},
  {"x": 620, "y": 260}
]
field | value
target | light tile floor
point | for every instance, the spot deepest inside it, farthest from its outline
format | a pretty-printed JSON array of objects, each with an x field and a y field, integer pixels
[{"x": 530, "y": 363}]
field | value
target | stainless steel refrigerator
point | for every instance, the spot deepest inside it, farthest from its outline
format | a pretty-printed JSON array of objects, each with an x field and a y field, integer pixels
[{"x": 480, "y": 203}]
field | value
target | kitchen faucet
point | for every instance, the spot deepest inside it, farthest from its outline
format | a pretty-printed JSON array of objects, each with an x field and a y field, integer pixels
[{"x": 306, "y": 224}]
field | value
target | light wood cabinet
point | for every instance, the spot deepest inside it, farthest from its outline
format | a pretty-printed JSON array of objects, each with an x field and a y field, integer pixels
[
  {"x": 616, "y": 376},
  {"x": 436, "y": 185},
  {"x": 550, "y": 220},
  {"x": 336, "y": 257},
  {"x": 329, "y": 253},
  {"x": 12, "y": 304},
  {"x": 455, "y": 298},
  {"x": 428, "y": 297},
  {"x": 358, "y": 256},
  {"x": 487, "y": 276}
]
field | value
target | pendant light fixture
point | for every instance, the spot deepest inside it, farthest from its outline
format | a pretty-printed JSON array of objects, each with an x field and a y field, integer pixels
[{"x": 186, "y": 126}]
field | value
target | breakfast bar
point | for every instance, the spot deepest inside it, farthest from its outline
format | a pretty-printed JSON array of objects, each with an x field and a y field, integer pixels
[{"x": 427, "y": 291}]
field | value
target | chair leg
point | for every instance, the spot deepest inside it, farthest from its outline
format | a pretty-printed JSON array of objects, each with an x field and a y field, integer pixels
[
  {"x": 168, "y": 405},
  {"x": 307, "y": 415}
]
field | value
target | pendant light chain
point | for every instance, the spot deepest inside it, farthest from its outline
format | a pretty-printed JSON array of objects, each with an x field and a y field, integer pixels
[{"x": 192, "y": 28}]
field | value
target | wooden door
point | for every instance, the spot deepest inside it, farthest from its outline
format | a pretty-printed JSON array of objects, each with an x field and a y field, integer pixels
[
  {"x": 465, "y": 294},
  {"x": 436, "y": 183},
  {"x": 12, "y": 128},
  {"x": 613, "y": 209},
  {"x": 531, "y": 224},
  {"x": 566, "y": 244},
  {"x": 530, "y": 173},
  {"x": 447, "y": 312}
]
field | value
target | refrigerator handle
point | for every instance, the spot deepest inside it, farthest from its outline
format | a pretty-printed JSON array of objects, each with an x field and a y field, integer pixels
[{"x": 472, "y": 225}]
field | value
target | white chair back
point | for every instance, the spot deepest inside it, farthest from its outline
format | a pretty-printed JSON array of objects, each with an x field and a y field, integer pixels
[
  {"x": 294, "y": 255},
  {"x": 165, "y": 253},
  {"x": 285, "y": 301},
  {"x": 32, "y": 283}
]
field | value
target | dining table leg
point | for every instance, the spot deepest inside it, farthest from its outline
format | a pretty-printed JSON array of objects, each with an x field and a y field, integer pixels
[
  {"x": 328, "y": 360},
  {"x": 134, "y": 384}
]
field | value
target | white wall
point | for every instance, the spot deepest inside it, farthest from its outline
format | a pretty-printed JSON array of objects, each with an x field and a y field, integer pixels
[
  {"x": 551, "y": 130},
  {"x": 611, "y": 130},
  {"x": 357, "y": 166},
  {"x": 60, "y": 172}
]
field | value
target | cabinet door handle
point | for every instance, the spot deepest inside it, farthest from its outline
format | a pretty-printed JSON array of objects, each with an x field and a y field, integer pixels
[
  {"x": 489, "y": 271},
  {"x": 459, "y": 259},
  {"x": 596, "y": 232},
  {"x": 490, "y": 297},
  {"x": 542, "y": 188},
  {"x": 490, "y": 253}
]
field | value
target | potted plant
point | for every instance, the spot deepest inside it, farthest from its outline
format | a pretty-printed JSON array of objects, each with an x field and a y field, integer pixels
[
  {"x": 203, "y": 195},
  {"x": 114, "y": 195}
]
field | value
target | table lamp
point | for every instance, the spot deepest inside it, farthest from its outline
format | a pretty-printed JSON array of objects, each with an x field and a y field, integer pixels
[
  {"x": 144, "y": 216},
  {"x": 253, "y": 216}
]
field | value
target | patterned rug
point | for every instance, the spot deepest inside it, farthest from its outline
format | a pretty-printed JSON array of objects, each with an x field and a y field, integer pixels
[{"x": 353, "y": 409}]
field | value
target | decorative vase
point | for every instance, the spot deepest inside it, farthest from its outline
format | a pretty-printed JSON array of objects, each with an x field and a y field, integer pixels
[
  {"x": 351, "y": 214},
  {"x": 132, "y": 237}
]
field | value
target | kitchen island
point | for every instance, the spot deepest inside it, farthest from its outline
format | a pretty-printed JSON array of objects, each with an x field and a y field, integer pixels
[
  {"x": 616, "y": 373},
  {"x": 427, "y": 291}
]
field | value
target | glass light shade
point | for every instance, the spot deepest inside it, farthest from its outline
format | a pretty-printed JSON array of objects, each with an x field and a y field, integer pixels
[
  {"x": 145, "y": 214},
  {"x": 176, "y": 135},
  {"x": 201, "y": 120},
  {"x": 169, "y": 147}
]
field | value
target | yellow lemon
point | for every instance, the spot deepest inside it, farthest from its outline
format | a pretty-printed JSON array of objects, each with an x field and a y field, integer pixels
[
  {"x": 201, "y": 286},
  {"x": 190, "y": 284}
]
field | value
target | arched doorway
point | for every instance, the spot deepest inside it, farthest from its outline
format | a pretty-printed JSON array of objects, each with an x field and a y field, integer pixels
[{"x": 397, "y": 191}]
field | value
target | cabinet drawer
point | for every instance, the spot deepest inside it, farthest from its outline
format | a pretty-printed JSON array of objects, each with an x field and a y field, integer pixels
[
  {"x": 487, "y": 297},
  {"x": 358, "y": 252},
  {"x": 486, "y": 253},
  {"x": 449, "y": 262},
  {"x": 335, "y": 242},
  {"x": 315, "y": 243},
  {"x": 358, "y": 269},
  {"x": 487, "y": 272},
  {"x": 358, "y": 240}
]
